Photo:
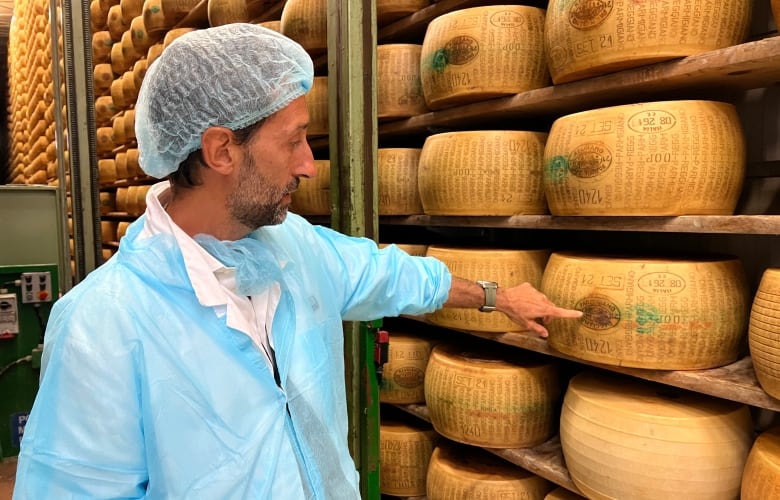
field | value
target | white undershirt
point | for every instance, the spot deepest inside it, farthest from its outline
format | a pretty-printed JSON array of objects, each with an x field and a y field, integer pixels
[{"x": 213, "y": 282}]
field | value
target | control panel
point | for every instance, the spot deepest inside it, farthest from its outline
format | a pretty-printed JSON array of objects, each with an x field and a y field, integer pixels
[
  {"x": 9, "y": 315},
  {"x": 36, "y": 287}
]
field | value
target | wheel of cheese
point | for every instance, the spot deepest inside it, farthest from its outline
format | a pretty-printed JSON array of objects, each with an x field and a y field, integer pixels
[
  {"x": 103, "y": 76},
  {"x": 403, "y": 376},
  {"x": 492, "y": 399},
  {"x": 398, "y": 89},
  {"x": 129, "y": 50},
  {"x": 562, "y": 494},
  {"x": 116, "y": 23},
  {"x": 411, "y": 249},
  {"x": 480, "y": 53},
  {"x": 140, "y": 38},
  {"x": 653, "y": 158},
  {"x": 121, "y": 199},
  {"x": 388, "y": 11},
  {"x": 761, "y": 477},
  {"x": 226, "y": 11},
  {"x": 98, "y": 15},
  {"x": 404, "y": 452},
  {"x": 118, "y": 126},
  {"x": 118, "y": 93},
  {"x": 120, "y": 162},
  {"x": 508, "y": 268},
  {"x": 313, "y": 195},
  {"x": 106, "y": 171},
  {"x": 153, "y": 53},
  {"x": 119, "y": 63},
  {"x": 101, "y": 47},
  {"x": 106, "y": 201},
  {"x": 121, "y": 229},
  {"x": 306, "y": 22},
  {"x": 397, "y": 181},
  {"x": 129, "y": 90},
  {"x": 108, "y": 230},
  {"x": 130, "y": 123},
  {"x": 139, "y": 72},
  {"x": 776, "y": 12},
  {"x": 174, "y": 34},
  {"x": 458, "y": 472},
  {"x": 764, "y": 333},
  {"x": 133, "y": 168},
  {"x": 105, "y": 140},
  {"x": 624, "y": 438},
  {"x": 154, "y": 15},
  {"x": 648, "y": 312},
  {"x": 131, "y": 9},
  {"x": 490, "y": 172},
  {"x": 105, "y": 109},
  {"x": 272, "y": 25},
  {"x": 317, "y": 104},
  {"x": 586, "y": 38}
]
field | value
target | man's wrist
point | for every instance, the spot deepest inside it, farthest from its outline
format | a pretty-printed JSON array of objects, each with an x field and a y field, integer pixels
[{"x": 491, "y": 291}]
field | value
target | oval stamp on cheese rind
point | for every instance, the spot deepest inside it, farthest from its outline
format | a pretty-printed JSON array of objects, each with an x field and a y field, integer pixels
[
  {"x": 590, "y": 159},
  {"x": 663, "y": 283},
  {"x": 507, "y": 19},
  {"x": 598, "y": 312},
  {"x": 461, "y": 49},
  {"x": 409, "y": 377},
  {"x": 588, "y": 14},
  {"x": 652, "y": 121}
]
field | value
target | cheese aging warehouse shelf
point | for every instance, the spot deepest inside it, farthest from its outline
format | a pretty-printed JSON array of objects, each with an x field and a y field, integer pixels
[{"x": 620, "y": 156}]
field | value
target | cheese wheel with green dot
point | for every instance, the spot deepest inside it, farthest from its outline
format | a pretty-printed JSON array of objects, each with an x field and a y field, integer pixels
[
  {"x": 648, "y": 312},
  {"x": 652, "y": 158},
  {"x": 482, "y": 173},
  {"x": 587, "y": 38},
  {"x": 491, "y": 398},
  {"x": 506, "y": 267},
  {"x": 403, "y": 376},
  {"x": 761, "y": 476},
  {"x": 627, "y": 438},
  {"x": 563, "y": 494},
  {"x": 479, "y": 53},
  {"x": 458, "y": 472},
  {"x": 101, "y": 47},
  {"x": 399, "y": 92},
  {"x": 313, "y": 194},
  {"x": 404, "y": 453},
  {"x": 306, "y": 22},
  {"x": 397, "y": 181},
  {"x": 764, "y": 332}
]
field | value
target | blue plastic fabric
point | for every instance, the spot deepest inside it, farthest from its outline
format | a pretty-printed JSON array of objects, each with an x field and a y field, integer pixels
[
  {"x": 147, "y": 394},
  {"x": 229, "y": 76}
]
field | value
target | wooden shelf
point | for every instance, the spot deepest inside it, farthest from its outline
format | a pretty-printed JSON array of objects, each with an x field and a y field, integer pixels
[
  {"x": 545, "y": 460},
  {"x": 723, "y": 224},
  {"x": 734, "y": 382},
  {"x": 119, "y": 216},
  {"x": 749, "y": 65}
]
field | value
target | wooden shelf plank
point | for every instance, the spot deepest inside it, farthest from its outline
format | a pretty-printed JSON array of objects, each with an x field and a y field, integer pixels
[
  {"x": 749, "y": 65},
  {"x": 723, "y": 224},
  {"x": 544, "y": 460},
  {"x": 734, "y": 382}
]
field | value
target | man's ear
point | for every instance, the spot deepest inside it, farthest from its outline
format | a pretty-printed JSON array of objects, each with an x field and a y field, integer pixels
[{"x": 219, "y": 151}]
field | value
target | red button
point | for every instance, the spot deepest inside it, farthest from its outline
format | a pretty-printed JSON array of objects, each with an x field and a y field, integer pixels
[{"x": 43, "y": 295}]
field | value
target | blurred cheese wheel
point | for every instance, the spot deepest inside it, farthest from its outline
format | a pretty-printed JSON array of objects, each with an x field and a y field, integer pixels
[
  {"x": 121, "y": 199},
  {"x": 129, "y": 90},
  {"x": 411, "y": 249},
  {"x": 106, "y": 171},
  {"x": 648, "y": 312},
  {"x": 133, "y": 168},
  {"x": 108, "y": 230},
  {"x": 98, "y": 15},
  {"x": 140, "y": 38},
  {"x": 317, "y": 105},
  {"x": 458, "y": 472},
  {"x": 654, "y": 158},
  {"x": 586, "y": 38},
  {"x": 128, "y": 49},
  {"x": 105, "y": 140},
  {"x": 508, "y": 268},
  {"x": 776, "y": 12},
  {"x": 120, "y": 162},
  {"x": 399, "y": 92},
  {"x": 306, "y": 22},
  {"x": 38, "y": 177},
  {"x": 764, "y": 332},
  {"x": 116, "y": 24},
  {"x": 101, "y": 47},
  {"x": 272, "y": 25},
  {"x": 105, "y": 109},
  {"x": 139, "y": 71},
  {"x": 313, "y": 194},
  {"x": 121, "y": 229},
  {"x": 118, "y": 126},
  {"x": 482, "y": 52},
  {"x": 174, "y": 34},
  {"x": 131, "y": 9},
  {"x": 107, "y": 201},
  {"x": 761, "y": 476},
  {"x": 388, "y": 11},
  {"x": 103, "y": 76},
  {"x": 403, "y": 375},
  {"x": 118, "y": 93},
  {"x": 129, "y": 122},
  {"x": 153, "y": 53},
  {"x": 491, "y": 399},
  {"x": 404, "y": 452},
  {"x": 154, "y": 17},
  {"x": 562, "y": 494},
  {"x": 222, "y": 12},
  {"x": 397, "y": 181},
  {"x": 626, "y": 438},
  {"x": 490, "y": 172}
]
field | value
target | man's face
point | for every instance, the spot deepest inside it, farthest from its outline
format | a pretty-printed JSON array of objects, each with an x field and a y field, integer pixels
[{"x": 274, "y": 160}]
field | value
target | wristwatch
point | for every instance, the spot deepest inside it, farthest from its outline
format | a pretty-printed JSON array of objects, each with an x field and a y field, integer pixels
[{"x": 490, "y": 288}]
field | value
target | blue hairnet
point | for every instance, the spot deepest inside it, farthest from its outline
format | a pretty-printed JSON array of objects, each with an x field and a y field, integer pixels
[{"x": 229, "y": 76}]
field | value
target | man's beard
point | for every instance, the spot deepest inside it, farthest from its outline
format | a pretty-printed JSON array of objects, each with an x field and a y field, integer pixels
[{"x": 255, "y": 202}]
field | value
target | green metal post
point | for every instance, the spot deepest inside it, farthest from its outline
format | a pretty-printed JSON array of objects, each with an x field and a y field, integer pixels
[{"x": 353, "y": 145}]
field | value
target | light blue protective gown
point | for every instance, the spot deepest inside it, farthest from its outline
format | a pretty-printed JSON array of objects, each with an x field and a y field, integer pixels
[{"x": 147, "y": 394}]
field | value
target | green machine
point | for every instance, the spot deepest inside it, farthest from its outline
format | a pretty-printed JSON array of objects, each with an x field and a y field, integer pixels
[{"x": 32, "y": 260}]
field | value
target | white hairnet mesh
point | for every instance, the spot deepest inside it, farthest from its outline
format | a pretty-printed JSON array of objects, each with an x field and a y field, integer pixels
[{"x": 230, "y": 76}]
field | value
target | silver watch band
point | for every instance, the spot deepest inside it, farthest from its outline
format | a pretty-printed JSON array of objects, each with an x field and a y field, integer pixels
[{"x": 490, "y": 288}]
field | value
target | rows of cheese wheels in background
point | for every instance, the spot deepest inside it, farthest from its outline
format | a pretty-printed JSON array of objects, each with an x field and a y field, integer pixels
[{"x": 31, "y": 106}]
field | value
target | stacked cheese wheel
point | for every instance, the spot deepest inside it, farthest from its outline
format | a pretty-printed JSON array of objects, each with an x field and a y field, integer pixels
[
  {"x": 404, "y": 453},
  {"x": 562, "y": 494},
  {"x": 313, "y": 194},
  {"x": 398, "y": 92},
  {"x": 458, "y": 472},
  {"x": 317, "y": 104},
  {"x": 761, "y": 476},
  {"x": 482, "y": 52},
  {"x": 390, "y": 10},
  {"x": 586, "y": 38},
  {"x": 654, "y": 158},
  {"x": 491, "y": 399},
  {"x": 626, "y": 438},
  {"x": 648, "y": 312},
  {"x": 504, "y": 266},
  {"x": 489, "y": 172},
  {"x": 397, "y": 181},
  {"x": 306, "y": 22},
  {"x": 403, "y": 376},
  {"x": 764, "y": 332}
]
